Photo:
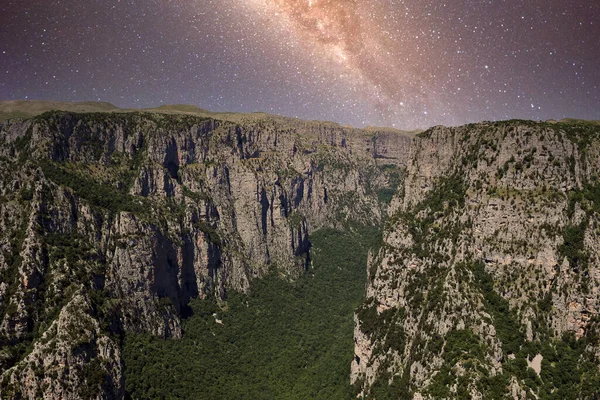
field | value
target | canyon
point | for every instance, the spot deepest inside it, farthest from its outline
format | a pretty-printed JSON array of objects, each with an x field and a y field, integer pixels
[{"x": 484, "y": 283}]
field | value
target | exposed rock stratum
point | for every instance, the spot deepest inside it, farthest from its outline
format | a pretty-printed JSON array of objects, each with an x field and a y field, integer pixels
[
  {"x": 112, "y": 222},
  {"x": 487, "y": 283}
]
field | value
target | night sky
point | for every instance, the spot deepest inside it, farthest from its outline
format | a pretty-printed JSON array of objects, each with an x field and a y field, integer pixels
[{"x": 409, "y": 64}]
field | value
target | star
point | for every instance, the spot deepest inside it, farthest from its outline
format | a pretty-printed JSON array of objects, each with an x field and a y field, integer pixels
[{"x": 409, "y": 64}]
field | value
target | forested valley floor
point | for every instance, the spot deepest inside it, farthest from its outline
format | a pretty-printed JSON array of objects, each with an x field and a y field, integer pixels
[{"x": 285, "y": 340}]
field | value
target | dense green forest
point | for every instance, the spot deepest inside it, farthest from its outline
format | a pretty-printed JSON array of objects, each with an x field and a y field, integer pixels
[{"x": 285, "y": 340}]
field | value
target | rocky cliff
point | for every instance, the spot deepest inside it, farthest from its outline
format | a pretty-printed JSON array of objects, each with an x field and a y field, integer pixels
[
  {"x": 487, "y": 283},
  {"x": 113, "y": 222}
]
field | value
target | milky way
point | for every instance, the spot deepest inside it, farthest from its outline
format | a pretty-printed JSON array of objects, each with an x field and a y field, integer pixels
[
  {"x": 345, "y": 33},
  {"x": 398, "y": 63}
]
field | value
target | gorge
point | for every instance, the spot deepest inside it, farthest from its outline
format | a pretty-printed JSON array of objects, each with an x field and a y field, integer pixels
[{"x": 129, "y": 236}]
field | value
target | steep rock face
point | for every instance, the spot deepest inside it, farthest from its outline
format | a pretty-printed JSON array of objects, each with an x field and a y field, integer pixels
[
  {"x": 73, "y": 359},
  {"x": 112, "y": 222},
  {"x": 490, "y": 260}
]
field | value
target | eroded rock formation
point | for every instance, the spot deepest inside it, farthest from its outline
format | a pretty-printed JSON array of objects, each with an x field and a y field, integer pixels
[{"x": 113, "y": 222}]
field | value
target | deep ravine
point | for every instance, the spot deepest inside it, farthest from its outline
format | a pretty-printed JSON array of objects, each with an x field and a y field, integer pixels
[
  {"x": 116, "y": 224},
  {"x": 154, "y": 255},
  {"x": 291, "y": 340}
]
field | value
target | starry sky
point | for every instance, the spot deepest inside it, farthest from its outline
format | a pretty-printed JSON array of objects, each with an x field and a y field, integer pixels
[{"x": 407, "y": 64}]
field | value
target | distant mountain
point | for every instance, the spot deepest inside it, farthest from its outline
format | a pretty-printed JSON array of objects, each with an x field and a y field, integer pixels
[{"x": 31, "y": 108}]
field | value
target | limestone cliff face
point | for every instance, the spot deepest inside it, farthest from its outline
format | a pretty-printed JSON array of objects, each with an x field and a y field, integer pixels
[
  {"x": 113, "y": 222},
  {"x": 490, "y": 259},
  {"x": 486, "y": 285}
]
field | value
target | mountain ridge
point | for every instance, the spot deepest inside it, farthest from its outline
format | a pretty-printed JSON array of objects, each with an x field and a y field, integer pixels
[{"x": 31, "y": 108}]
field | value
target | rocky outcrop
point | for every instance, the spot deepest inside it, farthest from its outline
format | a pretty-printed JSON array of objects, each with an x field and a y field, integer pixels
[
  {"x": 490, "y": 260},
  {"x": 72, "y": 359},
  {"x": 113, "y": 222}
]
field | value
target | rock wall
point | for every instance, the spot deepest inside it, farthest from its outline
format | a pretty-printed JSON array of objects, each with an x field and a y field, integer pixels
[
  {"x": 490, "y": 260},
  {"x": 113, "y": 222}
]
